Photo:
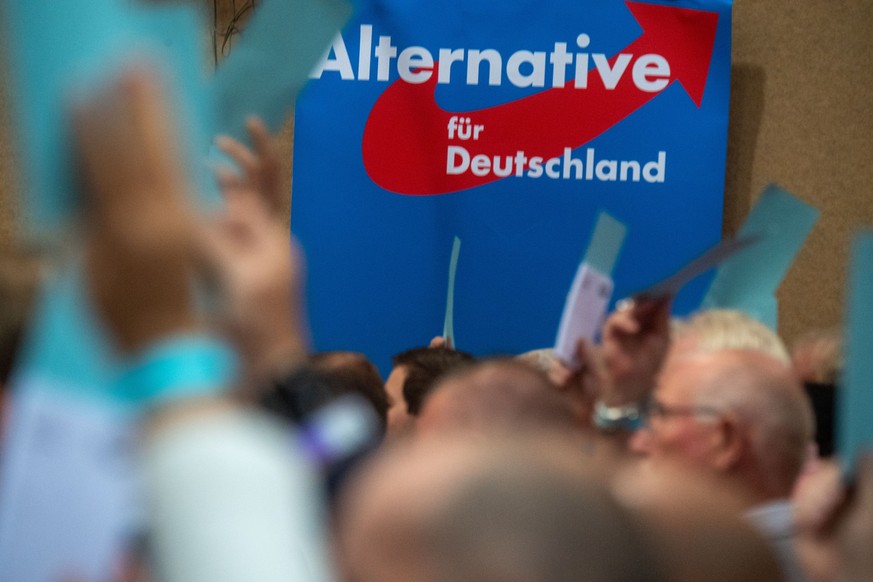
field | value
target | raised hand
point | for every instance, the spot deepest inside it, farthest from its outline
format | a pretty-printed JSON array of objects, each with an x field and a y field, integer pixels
[
  {"x": 140, "y": 227},
  {"x": 635, "y": 341},
  {"x": 258, "y": 266}
]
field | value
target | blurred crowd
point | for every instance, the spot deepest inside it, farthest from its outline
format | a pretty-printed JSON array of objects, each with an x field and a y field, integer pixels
[{"x": 688, "y": 449}]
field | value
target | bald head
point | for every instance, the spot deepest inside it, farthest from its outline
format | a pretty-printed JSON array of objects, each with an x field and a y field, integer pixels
[
  {"x": 496, "y": 395},
  {"x": 504, "y": 512},
  {"x": 696, "y": 519}
]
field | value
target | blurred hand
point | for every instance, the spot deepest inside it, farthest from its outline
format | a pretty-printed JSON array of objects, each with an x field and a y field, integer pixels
[
  {"x": 139, "y": 225},
  {"x": 258, "y": 170},
  {"x": 816, "y": 501},
  {"x": 440, "y": 342},
  {"x": 258, "y": 267},
  {"x": 835, "y": 524},
  {"x": 817, "y": 496},
  {"x": 635, "y": 341},
  {"x": 584, "y": 385},
  {"x": 856, "y": 533}
]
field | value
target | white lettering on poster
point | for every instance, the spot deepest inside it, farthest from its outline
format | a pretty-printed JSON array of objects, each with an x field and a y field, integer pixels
[{"x": 649, "y": 72}]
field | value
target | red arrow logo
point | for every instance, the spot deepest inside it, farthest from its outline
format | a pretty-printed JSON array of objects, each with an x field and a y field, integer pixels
[{"x": 405, "y": 138}]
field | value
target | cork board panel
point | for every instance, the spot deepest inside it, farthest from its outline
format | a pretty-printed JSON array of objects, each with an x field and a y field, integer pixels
[
  {"x": 9, "y": 163},
  {"x": 800, "y": 116}
]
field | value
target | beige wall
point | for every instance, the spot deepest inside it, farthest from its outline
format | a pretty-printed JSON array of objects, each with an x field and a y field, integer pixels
[
  {"x": 801, "y": 115},
  {"x": 9, "y": 179}
]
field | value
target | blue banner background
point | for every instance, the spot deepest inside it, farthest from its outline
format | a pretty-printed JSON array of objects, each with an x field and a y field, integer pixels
[{"x": 378, "y": 261}]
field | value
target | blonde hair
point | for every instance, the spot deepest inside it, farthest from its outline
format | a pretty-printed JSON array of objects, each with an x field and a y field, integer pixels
[
  {"x": 540, "y": 359},
  {"x": 817, "y": 355},
  {"x": 728, "y": 329}
]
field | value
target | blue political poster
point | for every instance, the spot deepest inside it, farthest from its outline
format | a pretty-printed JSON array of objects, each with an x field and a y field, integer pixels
[{"x": 510, "y": 125}]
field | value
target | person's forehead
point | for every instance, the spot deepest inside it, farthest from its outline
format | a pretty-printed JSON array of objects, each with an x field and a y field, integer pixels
[
  {"x": 437, "y": 407},
  {"x": 684, "y": 376},
  {"x": 683, "y": 345}
]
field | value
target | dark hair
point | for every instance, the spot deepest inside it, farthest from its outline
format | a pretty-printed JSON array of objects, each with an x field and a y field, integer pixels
[
  {"x": 324, "y": 378},
  {"x": 424, "y": 367},
  {"x": 297, "y": 395},
  {"x": 316, "y": 386},
  {"x": 357, "y": 375},
  {"x": 823, "y": 400}
]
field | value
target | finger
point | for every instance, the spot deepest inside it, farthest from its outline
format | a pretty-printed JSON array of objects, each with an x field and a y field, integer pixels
[
  {"x": 592, "y": 370},
  {"x": 241, "y": 201},
  {"x": 228, "y": 180},
  {"x": 262, "y": 140},
  {"x": 559, "y": 374},
  {"x": 585, "y": 355},
  {"x": 268, "y": 154},
  {"x": 623, "y": 323},
  {"x": 246, "y": 159}
]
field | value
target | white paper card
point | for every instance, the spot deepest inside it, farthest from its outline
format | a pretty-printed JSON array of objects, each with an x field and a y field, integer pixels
[
  {"x": 67, "y": 488},
  {"x": 584, "y": 311}
]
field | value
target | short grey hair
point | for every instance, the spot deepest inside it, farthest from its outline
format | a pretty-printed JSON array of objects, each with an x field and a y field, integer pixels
[{"x": 730, "y": 329}]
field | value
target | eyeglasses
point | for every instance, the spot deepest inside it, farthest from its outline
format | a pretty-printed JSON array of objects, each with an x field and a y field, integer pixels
[{"x": 658, "y": 410}]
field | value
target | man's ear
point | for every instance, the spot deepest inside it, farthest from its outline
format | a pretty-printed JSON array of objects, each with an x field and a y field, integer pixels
[{"x": 730, "y": 443}]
